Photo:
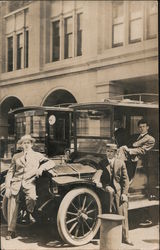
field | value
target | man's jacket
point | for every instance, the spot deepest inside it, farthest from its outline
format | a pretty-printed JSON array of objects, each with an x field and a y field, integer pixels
[
  {"x": 23, "y": 170},
  {"x": 142, "y": 144},
  {"x": 118, "y": 176}
]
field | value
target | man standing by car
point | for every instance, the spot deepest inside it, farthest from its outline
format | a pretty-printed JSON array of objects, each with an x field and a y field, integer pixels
[
  {"x": 25, "y": 166},
  {"x": 117, "y": 187}
]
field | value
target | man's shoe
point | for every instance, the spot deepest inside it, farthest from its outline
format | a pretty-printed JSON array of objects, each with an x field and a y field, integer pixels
[
  {"x": 146, "y": 223},
  {"x": 128, "y": 242},
  {"x": 31, "y": 219},
  {"x": 10, "y": 235}
]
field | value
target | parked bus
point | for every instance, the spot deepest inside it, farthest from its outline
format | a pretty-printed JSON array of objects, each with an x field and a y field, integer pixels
[{"x": 66, "y": 194}]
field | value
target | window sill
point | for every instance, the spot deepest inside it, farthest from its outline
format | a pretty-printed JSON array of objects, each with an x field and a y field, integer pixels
[
  {"x": 64, "y": 63},
  {"x": 17, "y": 73},
  {"x": 130, "y": 48}
]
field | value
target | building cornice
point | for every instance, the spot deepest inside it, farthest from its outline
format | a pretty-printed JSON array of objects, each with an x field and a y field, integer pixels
[{"x": 77, "y": 65}]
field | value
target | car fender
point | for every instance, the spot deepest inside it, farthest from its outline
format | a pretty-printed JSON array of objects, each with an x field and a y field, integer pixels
[{"x": 68, "y": 180}]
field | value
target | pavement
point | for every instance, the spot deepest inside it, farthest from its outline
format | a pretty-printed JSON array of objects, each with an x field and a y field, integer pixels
[{"x": 45, "y": 237}]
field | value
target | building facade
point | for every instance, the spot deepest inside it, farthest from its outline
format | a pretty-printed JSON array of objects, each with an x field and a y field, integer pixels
[{"x": 59, "y": 51}]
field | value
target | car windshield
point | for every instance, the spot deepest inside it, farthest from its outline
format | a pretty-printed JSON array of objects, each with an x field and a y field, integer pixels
[
  {"x": 93, "y": 130},
  {"x": 93, "y": 123}
]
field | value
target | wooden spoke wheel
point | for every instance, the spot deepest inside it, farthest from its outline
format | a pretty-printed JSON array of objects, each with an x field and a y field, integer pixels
[{"x": 77, "y": 216}]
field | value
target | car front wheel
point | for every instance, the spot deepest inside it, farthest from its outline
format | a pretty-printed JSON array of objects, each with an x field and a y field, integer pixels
[{"x": 77, "y": 216}]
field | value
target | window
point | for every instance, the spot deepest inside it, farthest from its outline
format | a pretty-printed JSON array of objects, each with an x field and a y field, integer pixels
[
  {"x": 136, "y": 22},
  {"x": 55, "y": 41},
  {"x": 10, "y": 53},
  {"x": 118, "y": 23},
  {"x": 152, "y": 19},
  {"x": 134, "y": 122},
  {"x": 79, "y": 34},
  {"x": 26, "y": 49},
  {"x": 133, "y": 21},
  {"x": 19, "y": 50},
  {"x": 68, "y": 31},
  {"x": 17, "y": 54}
]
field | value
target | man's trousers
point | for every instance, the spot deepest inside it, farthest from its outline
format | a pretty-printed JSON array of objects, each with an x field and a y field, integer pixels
[
  {"x": 119, "y": 207},
  {"x": 13, "y": 205}
]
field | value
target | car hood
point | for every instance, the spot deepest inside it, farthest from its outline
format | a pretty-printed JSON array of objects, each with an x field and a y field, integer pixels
[{"x": 75, "y": 169}]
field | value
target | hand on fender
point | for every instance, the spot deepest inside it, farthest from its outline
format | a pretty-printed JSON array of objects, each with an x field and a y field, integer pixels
[
  {"x": 124, "y": 198},
  {"x": 98, "y": 183},
  {"x": 39, "y": 172},
  {"x": 126, "y": 148}
]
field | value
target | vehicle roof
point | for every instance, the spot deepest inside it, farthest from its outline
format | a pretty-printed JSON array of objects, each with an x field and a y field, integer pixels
[
  {"x": 105, "y": 105},
  {"x": 144, "y": 101},
  {"x": 45, "y": 108}
]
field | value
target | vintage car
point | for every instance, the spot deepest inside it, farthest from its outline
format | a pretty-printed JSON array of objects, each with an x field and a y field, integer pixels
[{"x": 67, "y": 194}]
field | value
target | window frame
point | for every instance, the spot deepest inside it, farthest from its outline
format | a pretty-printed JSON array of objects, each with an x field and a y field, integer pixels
[
  {"x": 77, "y": 34},
  {"x": 26, "y": 48},
  {"x": 61, "y": 18},
  {"x": 148, "y": 14},
  {"x": 132, "y": 19},
  {"x": 14, "y": 33},
  {"x": 19, "y": 64},
  {"x": 67, "y": 36},
  {"x": 118, "y": 21},
  {"x": 7, "y": 58},
  {"x": 52, "y": 42}
]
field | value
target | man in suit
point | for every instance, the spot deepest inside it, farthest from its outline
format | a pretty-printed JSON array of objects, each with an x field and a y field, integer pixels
[
  {"x": 117, "y": 187},
  {"x": 142, "y": 143},
  {"x": 25, "y": 166}
]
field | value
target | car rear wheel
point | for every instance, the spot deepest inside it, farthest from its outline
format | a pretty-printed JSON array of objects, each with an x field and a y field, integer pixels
[{"x": 77, "y": 216}]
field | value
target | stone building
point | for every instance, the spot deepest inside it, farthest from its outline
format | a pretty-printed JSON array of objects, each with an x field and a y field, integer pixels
[{"x": 59, "y": 51}]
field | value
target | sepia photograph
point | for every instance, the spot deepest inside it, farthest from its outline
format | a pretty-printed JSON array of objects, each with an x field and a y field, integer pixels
[{"x": 79, "y": 125}]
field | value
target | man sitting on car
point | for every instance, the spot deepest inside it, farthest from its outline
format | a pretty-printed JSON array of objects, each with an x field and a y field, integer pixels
[
  {"x": 21, "y": 175},
  {"x": 140, "y": 145},
  {"x": 117, "y": 187}
]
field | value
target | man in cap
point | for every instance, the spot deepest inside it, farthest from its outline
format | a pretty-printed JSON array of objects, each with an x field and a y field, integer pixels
[
  {"x": 25, "y": 166},
  {"x": 117, "y": 187}
]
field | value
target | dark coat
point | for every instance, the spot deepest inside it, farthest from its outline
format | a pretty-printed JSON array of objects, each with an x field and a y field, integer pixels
[{"x": 120, "y": 176}]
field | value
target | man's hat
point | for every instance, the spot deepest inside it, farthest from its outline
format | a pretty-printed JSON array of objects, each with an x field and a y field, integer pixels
[
  {"x": 111, "y": 146},
  {"x": 26, "y": 137}
]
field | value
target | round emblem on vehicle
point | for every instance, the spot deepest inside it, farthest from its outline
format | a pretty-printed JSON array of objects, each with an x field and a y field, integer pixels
[{"x": 52, "y": 119}]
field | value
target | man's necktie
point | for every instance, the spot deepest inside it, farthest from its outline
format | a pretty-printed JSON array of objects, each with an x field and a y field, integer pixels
[{"x": 25, "y": 157}]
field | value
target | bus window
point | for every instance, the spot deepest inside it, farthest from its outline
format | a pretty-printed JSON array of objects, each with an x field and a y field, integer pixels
[
  {"x": 93, "y": 123},
  {"x": 39, "y": 126},
  {"x": 134, "y": 124},
  {"x": 20, "y": 127}
]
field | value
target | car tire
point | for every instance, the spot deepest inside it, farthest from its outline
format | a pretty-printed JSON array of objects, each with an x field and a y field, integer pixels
[{"x": 77, "y": 220}]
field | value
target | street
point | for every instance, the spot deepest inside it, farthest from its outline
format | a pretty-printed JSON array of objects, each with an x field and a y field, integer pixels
[{"x": 45, "y": 237}]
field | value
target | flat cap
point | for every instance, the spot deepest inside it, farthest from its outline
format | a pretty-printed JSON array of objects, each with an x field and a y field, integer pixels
[
  {"x": 26, "y": 137},
  {"x": 111, "y": 146}
]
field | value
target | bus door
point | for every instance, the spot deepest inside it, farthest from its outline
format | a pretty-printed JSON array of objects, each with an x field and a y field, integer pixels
[{"x": 59, "y": 132}]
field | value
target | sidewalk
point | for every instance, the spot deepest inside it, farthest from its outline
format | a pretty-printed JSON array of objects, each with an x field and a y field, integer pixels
[{"x": 143, "y": 239}]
